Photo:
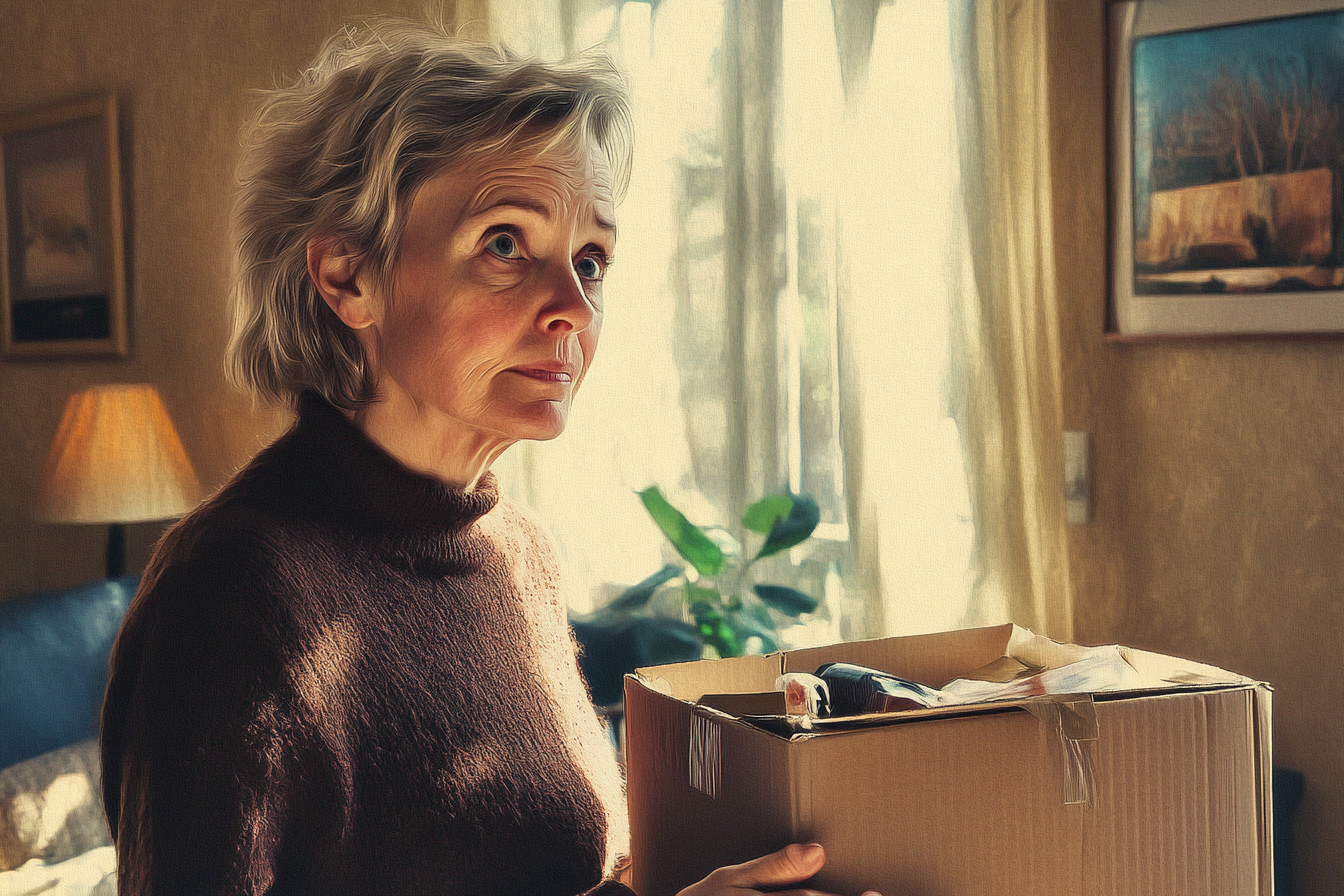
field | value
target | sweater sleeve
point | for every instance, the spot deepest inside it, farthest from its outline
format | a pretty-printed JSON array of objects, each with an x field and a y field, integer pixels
[{"x": 203, "y": 742}]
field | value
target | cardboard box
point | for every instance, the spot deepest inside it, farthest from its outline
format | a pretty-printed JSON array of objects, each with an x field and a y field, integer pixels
[{"x": 1160, "y": 784}]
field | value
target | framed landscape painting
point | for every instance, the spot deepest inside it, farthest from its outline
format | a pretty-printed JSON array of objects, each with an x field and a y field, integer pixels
[
  {"x": 1227, "y": 168},
  {"x": 62, "y": 268}
]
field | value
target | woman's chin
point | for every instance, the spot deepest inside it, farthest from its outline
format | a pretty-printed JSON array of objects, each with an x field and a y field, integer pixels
[{"x": 541, "y": 422}]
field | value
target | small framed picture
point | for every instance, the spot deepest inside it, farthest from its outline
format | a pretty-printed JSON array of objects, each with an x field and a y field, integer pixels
[
  {"x": 1226, "y": 168},
  {"x": 62, "y": 262}
]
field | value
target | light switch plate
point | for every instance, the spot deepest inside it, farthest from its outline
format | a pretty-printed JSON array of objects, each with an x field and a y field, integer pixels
[{"x": 1078, "y": 477}]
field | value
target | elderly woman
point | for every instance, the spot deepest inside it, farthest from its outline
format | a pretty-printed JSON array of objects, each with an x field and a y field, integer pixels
[{"x": 349, "y": 671}]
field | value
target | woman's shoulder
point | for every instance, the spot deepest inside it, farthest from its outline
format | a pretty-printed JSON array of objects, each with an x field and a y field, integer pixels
[
  {"x": 255, "y": 516},
  {"x": 215, "y": 622},
  {"x": 218, "y": 572},
  {"x": 241, "y": 526},
  {"x": 245, "y": 547},
  {"x": 227, "y": 589}
]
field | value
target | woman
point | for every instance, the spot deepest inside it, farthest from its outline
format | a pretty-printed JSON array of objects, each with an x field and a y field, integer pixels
[{"x": 349, "y": 671}]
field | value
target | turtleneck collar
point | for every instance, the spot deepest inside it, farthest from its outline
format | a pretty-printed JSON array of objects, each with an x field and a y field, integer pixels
[{"x": 354, "y": 478}]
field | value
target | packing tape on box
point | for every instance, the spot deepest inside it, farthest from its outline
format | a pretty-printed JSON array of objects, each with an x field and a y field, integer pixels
[
  {"x": 705, "y": 765},
  {"x": 1073, "y": 721}
]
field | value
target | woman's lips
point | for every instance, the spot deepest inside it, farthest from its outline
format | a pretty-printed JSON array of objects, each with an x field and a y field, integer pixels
[{"x": 544, "y": 375}]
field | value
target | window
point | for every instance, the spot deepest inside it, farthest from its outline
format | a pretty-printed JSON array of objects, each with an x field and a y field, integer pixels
[{"x": 784, "y": 256}]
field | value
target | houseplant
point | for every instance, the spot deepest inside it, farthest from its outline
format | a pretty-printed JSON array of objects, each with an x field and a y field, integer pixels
[{"x": 729, "y": 613}]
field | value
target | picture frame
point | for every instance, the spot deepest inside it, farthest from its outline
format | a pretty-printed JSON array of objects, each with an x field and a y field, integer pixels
[
  {"x": 62, "y": 256},
  {"x": 1225, "y": 169}
]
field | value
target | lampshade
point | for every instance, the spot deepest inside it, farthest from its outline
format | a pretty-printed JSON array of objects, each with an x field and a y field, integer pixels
[{"x": 117, "y": 459}]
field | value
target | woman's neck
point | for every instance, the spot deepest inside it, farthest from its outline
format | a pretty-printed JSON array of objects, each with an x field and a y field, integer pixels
[{"x": 426, "y": 441}]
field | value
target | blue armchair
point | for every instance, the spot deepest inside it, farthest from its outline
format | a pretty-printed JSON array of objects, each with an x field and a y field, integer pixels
[{"x": 54, "y": 651}]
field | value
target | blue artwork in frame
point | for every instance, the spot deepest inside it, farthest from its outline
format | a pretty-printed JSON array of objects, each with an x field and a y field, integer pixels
[{"x": 1234, "y": 177}]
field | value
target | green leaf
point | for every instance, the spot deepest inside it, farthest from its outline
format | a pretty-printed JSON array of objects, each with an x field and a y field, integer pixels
[
  {"x": 690, "y": 542},
  {"x": 786, "y": 600},
  {"x": 638, "y": 595},
  {"x": 793, "y": 529},
  {"x": 762, "y": 516},
  {"x": 715, "y": 628}
]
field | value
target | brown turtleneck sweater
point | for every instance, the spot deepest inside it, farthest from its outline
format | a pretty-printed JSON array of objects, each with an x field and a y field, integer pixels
[{"x": 340, "y": 676}]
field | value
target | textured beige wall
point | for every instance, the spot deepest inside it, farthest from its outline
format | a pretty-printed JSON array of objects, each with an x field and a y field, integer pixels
[
  {"x": 183, "y": 72},
  {"x": 1219, "y": 528}
]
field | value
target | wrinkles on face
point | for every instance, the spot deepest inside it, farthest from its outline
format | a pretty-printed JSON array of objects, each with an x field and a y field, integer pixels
[
  {"x": 479, "y": 347},
  {"x": 559, "y": 184}
]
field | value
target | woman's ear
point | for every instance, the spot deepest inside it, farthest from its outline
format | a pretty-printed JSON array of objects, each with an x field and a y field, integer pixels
[{"x": 334, "y": 270}]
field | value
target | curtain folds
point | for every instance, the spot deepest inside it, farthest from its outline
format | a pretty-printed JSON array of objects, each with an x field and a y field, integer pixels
[
  {"x": 753, "y": 246},
  {"x": 1008, "y": 393}
]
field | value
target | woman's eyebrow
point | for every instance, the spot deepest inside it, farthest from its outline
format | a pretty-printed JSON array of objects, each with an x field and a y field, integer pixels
[
  {"x": 539, "y": 208},
  {"x": 518, "y": 202}
]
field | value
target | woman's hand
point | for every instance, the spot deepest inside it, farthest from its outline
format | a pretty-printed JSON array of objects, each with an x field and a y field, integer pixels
[{"x": 791, "y": 865}]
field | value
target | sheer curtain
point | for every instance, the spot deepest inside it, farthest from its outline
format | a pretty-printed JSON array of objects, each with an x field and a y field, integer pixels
[
  {"x": 803, "y": 298},
  {"x": 1008, "y": 360},
  {"x": 899, "y": 215}
]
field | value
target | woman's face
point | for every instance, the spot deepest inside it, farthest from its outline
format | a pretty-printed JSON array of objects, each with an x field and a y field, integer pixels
[{"x": 492, "y": 315}]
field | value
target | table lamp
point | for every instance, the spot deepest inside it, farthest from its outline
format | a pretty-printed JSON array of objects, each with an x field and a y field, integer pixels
[{"x": 116, "y": 459}]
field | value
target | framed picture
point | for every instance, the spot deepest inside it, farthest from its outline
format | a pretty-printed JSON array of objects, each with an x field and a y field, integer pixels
[
  {"x": 62, "y": 263},
  {"x": 1226, "y": 168}
]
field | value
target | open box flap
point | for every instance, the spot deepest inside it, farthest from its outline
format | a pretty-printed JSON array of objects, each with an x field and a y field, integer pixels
[
  {"x": 736, "y": 675},
  {"x": 990, "y": 655},
  {"x": 1152, "y": 671},
  {"x": 931, "y": 660}
]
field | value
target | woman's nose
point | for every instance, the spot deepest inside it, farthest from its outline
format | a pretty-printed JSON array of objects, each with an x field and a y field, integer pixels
[{"x": 568, "y": 308}]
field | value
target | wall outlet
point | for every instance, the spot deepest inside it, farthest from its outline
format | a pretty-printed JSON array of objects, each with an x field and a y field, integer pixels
[{"x": 1078, "y": 477}]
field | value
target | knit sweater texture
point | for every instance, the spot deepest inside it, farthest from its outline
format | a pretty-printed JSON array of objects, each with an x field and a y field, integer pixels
[{"x": 342, "y": 677}]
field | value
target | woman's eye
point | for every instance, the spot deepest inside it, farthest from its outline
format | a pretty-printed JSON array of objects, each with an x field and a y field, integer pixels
[
  {"x": 503, "y": 244},
  {"x": 590, "y": 267}
]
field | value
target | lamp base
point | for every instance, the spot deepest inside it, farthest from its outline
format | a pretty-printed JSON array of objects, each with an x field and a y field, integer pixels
[{"x": 116, "y": 550}]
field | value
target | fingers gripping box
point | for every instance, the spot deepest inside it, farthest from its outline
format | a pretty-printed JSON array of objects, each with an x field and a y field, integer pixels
[{"x": 1155, "y": 779}]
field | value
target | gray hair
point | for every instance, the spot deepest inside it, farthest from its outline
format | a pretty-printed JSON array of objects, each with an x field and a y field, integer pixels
[{"x": 342, "y": 152}]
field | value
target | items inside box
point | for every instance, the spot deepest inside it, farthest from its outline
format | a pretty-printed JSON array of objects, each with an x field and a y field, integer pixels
[{"x": 841, "y": 694}]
